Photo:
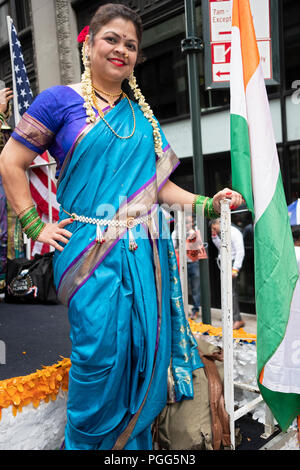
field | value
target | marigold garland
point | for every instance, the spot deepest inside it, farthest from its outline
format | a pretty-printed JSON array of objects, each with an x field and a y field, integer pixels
[
  {"x": 43, "y": 384},
  {"x": 202, "y": 328}
]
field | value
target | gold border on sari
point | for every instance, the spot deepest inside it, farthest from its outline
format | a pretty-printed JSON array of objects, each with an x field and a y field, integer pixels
[{"x": 34, "y": 132}]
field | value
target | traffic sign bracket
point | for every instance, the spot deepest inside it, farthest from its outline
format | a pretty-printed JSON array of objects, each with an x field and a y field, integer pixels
[{"x": 192, "y": 44}]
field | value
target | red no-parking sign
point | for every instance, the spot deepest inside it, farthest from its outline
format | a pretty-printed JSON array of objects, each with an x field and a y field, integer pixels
[{"x": 217, "y": 39}]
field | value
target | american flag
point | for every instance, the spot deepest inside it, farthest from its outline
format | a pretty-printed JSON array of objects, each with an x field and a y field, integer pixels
[
  {"x": 294, "y": 212},
  {"x": 38, "y": 177}
]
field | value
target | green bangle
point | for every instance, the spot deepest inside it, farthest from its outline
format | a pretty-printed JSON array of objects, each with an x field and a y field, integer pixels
[
  {"x": 210, "y": 212},
  {"x": 198, "y": 202},
  {"x": 2, "y": 118},
  {"x": 28, "y": 217},
  {"x": 29, "y": 220},
  {"x": 32, "y": 210},
  {"x": 35, "y": 230},
  {"x": 32, "y": 226},
  {"x": 31, "y": 223},
  {"x": 38, "y": 231},
  {"x": 206, "y": 204}
]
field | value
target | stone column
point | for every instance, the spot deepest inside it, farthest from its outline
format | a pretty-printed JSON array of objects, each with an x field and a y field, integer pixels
[
  {"x": 54, "y": 37},
  {"x": 69, "y": 58},
  {"x": 45, "y": 43}
]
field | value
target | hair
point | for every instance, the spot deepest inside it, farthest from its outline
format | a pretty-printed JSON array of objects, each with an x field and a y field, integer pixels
[
  {"x": 296, "y": 232},
  {"x": 109, "y": 12},
  {"x": 215, "y": 221}
]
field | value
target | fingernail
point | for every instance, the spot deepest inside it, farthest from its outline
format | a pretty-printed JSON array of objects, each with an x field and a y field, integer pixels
[{"x": 228, "y": 194}]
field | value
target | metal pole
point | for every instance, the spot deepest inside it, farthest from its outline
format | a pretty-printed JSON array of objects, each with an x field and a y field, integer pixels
[
  {"x": 192, "y": 45},
  {"x": 227, "y": 320},
  {"x": 182, "y": 259}
]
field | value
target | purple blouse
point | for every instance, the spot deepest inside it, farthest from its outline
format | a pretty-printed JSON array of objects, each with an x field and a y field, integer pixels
[{"x": 52, "y": 122}]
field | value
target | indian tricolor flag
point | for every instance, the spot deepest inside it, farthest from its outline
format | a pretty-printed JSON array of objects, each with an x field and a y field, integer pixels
[{"x": 256, "y": 175}]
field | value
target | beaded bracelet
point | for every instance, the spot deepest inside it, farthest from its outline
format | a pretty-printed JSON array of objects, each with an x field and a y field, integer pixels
[
  {"x": 2, "y": 118},
  {"x": 207, "y": 206},
  {"x": 31, "y": 223}
]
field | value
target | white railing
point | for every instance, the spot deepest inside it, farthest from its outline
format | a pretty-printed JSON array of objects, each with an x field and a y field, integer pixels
[{"x": 227, "y": 324}]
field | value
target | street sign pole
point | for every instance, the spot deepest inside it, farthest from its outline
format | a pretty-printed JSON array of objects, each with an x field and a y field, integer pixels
[{"x": 192, "y": 45}]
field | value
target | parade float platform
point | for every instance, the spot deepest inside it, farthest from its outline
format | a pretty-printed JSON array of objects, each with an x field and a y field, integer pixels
[
  {"x": 34, "y": 364},
  {"x": 34, "y": 341}
]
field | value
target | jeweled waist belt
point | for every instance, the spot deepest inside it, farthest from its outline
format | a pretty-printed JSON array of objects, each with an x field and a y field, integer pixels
[{"x": 129, "y": 222}]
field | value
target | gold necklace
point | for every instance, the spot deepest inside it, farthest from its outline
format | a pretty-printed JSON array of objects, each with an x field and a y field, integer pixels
[
  {"x": 106, "y": 93},
  {"x": 101, "y": 114}
]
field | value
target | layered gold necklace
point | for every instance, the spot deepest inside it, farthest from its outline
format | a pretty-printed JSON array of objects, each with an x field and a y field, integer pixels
[
  {"x": 101, "y": 114},
  {"x": 112, "y": 95}
]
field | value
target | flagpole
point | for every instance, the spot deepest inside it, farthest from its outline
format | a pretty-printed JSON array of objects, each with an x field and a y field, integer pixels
[
  {"x": 16, "y": 108},
  {"x": 192, "y": 45},
  {"x": 17, "y": 117}
]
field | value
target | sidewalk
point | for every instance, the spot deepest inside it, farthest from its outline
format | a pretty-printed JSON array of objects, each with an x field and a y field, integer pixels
[{"x": 248, "y": 318}]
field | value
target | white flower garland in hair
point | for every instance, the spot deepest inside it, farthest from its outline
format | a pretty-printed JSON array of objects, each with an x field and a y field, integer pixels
[
  {"x": 87, "y": 87},
  {"x": 148, "y": 113}
]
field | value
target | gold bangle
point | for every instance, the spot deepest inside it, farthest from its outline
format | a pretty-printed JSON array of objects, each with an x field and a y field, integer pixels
[{"x": 26, "y": 208}]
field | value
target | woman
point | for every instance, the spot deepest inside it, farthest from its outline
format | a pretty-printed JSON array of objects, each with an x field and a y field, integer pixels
[
  {"x": 5, "y": 97},
  {"x": 125, "y": 305}
]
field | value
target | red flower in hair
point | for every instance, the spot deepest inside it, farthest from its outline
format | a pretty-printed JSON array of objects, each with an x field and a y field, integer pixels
[{"x": 83, "y": 34}]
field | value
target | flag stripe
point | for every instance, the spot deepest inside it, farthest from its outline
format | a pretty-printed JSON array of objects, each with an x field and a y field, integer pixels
[
  {"x": 241, "y": 162},
  {"x": 242, "y": 18},
  {"x": 237, "y": 91},
  {"x": 42, "y": 177},
  {"x": 264, "y": 157},
  {"x": 275, "y": 276}
]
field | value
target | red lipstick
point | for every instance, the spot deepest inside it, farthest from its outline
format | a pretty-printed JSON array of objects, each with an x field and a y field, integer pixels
[{"x": 117, "y": 62}]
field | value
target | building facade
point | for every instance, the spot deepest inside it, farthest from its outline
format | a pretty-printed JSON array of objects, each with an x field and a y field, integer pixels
[{"x": 48, "y": 30}]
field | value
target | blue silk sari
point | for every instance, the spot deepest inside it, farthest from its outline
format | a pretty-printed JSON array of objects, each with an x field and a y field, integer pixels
[{"x": 125, "y": 307}]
